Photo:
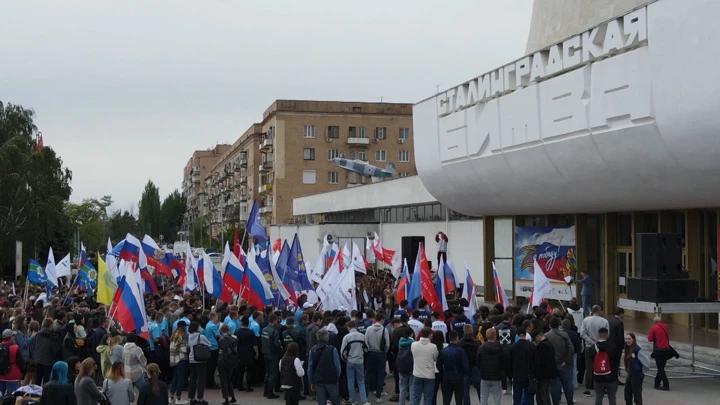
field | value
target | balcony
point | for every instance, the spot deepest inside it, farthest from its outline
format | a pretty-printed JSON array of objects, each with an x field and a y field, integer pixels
[
  {"x": 242, "y": 180},
  {"x": 243, "y": 162},
  {"x": 266, "y": 144},
  {"x": 266, "y": 209},
  {"x": 356, "y": 141},
  {"x": 243, "y": 198},
  {"x": 267, "y": 165},
  {"x": 265, "y": 189},
  {"x": 262, "y": 168}
]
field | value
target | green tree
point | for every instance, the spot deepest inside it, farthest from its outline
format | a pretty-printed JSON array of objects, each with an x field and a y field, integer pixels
[
  {"x": 149, "y": 210},
  {"x": 91, "y": 218},
  {"x": 122, "y": 223},
  {"x": 35, "y": 188},
  {"x": 171, "y": 215}
]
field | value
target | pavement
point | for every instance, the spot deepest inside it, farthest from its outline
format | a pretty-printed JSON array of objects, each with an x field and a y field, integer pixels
[{"x": 695, "y": 391}]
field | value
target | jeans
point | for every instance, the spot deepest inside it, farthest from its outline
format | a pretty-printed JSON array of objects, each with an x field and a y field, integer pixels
[
  {"x": 139, "y": 382},
  {"x": 587, "y": 305},
  {"x": 633, "y": 389},
  {"x": 564, "y": 382},
  {"x": 355, "y": 372},
  {"x": 198, "y": 375},
  {"x": 520, "y": 388},
  {"x": 225, "y": 381},
  {"x": 574, "y": 370},
  {"x": 602, "y": 387},
  {"x": 543, "y": 395},
  {"x": 8, "y": 387},
  {"x": 453, "y": 387},
  {"x": 488, "y": 387},
  {"x": 376, "y": 372},
  {"x": 661, "y": 358},
  {"x": 422, "y": 387},
  {"x": 179, "y": 373},
  {"x": 468, "y": 383},
  {"x": 406, "y": 380},
  {"x": 325, "y": 392}
]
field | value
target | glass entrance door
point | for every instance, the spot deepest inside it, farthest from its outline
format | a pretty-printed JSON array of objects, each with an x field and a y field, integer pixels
[{"x": 709, "y": 271}]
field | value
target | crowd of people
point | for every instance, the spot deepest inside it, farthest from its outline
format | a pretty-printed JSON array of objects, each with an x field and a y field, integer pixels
[{"x": 71, "y": 347}]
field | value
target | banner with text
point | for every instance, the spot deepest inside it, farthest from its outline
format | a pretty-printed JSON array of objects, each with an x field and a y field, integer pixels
[{"x": 554, "y": 249}]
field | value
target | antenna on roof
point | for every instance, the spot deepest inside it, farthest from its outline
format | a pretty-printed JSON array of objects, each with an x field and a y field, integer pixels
[{"x": 381, "y": 99}]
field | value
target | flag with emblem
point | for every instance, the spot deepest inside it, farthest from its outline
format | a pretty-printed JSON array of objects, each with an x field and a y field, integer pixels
[{"x": 87, "y": 274}]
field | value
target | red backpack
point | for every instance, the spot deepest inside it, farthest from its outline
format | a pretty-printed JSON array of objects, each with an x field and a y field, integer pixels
[{"x": 601, "y": 363}]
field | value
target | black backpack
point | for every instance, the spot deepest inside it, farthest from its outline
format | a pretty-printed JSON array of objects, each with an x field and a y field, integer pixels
[
  {"x": 349, "y": 344},
  {"x": 5, "y": 362},
  {"x": 404, "y": 360}
]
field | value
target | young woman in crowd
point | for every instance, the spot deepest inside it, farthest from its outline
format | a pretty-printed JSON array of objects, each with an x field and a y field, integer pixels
[
  {"x": 154, "y": 392},
  {"x": 117, "y": 387}
]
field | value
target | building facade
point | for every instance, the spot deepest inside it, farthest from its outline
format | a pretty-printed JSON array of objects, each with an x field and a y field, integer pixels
[
  {"x": 612, "y": 131},
  {"x": 289, "y": 155},
  {"x": 193, "y": 186}
]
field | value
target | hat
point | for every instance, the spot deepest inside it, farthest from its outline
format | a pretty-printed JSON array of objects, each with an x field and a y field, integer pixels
[
  {"x": 181, "y": 324},
  {"x": 307, "y": 305},
  {"x": 8, "y": 333}
]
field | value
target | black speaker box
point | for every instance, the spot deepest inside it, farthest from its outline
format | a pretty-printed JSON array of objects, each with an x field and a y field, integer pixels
[
  {"x": 409, "y": 249},
  {"x": 659, "y": 255},
  {"x": 657, "y": 290}
]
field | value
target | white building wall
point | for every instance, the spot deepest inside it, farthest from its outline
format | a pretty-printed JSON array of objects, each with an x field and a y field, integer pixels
[{"x": 311, "y": 236}]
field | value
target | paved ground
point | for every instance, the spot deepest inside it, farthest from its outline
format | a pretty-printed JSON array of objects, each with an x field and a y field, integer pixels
[{"x": 695, "y": 391}]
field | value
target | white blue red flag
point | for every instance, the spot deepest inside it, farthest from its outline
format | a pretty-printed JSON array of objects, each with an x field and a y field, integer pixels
[{"x": 500, "y": 295}]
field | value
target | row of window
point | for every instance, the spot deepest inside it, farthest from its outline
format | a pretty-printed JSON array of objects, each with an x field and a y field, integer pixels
[
  {"x": 310, "y": 177},
  {"x": 416, "y": 213},
  {"x": 333, "y": 132},
  {"x": 380, "y": 155}
]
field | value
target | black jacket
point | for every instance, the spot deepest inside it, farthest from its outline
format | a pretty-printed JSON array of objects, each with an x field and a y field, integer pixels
[
  {"x": 270, "y": 341},
  {"x": 617, "y": 334},
  {"x": 523, "y": 361},
  {"x": 246, "y": 340},
  {"x": 546, "y": 355},
  {"x": 395, "y": 336},
  {"x": 604, "y": 346},
  {"x": 57, "y": 394},
  {"x": 492, "y": 361},
  {"x": 470, "y": 346},
  {"x": 146, "y": 396}
]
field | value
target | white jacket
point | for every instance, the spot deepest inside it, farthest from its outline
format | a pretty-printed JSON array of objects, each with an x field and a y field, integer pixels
[{"x": 425, "y": 355}]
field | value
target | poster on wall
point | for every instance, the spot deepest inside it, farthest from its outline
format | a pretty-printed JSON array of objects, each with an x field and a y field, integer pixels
[{"x": 554, "y": 249}]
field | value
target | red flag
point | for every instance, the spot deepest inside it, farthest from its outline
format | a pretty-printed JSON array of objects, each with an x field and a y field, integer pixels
[
  {"x": 427, "y": 289},
  {"x": 39, "y": 144},
  {"x": 236, "y": 244}
]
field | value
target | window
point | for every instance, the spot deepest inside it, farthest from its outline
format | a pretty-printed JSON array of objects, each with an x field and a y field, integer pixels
[
  {"x": 308, "y": 176},
  {"x": 309, "y": 131},
  {"x": 361, "y": 155},
  {"x": 380, "y": 132},
  {"x": 352, "y": 154},
  {"x": 361, "y": 132},
  {"x": 404, "y": 174},
  {"x": 333, "y": 153},
  {"x": 333, "y": 132},
  {"x": 404, "y": 156},
  {"x": 404, "y": 133},
  {"x": 333, "y": 177},
  {"x": 380, "y": 155},
  {"x": 309, "y": 153},
  {"x": 356, "y": 132}
]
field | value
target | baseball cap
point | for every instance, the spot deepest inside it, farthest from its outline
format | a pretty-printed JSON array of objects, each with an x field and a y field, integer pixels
[
  {"x": 8, "y": 333},
  {"x": 307, "y": 305}
]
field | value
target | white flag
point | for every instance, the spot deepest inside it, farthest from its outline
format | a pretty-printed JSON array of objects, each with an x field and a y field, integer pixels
[
  {"x": 190, "y": 270},
  {"x": 397, "y": 264},
  {"x": 369, "y": 252},
  {"x": 50, "y": 269},
  {"x": 541, "y": 284},
  {"x": 112, "y": 261},
  {"x": 62, "y": 268},
  {"x": 358, "y": 262}
]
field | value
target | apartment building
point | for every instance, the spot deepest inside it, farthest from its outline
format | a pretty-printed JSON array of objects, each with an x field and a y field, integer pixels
[
  {"x": 198, "y": 166},
  {"x": 300, "y": 138},
  {"x": 289, "y": 155}
]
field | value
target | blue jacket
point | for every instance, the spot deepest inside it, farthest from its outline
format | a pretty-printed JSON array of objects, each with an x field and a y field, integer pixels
[
  {"x": 453, "y": 363},
  {"x": 587, "y": 285}
]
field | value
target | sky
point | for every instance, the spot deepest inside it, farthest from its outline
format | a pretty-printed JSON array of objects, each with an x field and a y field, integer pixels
[{"x": 125, "y": 91}]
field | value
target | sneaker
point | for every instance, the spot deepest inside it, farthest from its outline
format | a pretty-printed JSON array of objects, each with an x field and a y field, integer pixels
[
  {"x": 346, "y": 402},
  {"x": 273, "y": 396},
  {"x": 395, "y": 398},
  {"x": 181, "y": 402},
  {"x": 587, "y": 394},
  {"x": 366, "y": 403},
  {"x": 505, "y": 392},
  {"x": 233, "y": 400},
  {"x": 379, "y": 401}
]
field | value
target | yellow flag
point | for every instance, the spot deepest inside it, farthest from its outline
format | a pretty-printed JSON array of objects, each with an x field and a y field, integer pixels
[{"x": 106, "y": 284}]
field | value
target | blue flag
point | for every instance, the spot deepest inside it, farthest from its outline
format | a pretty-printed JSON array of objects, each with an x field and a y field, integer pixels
[
  {"x": 254, "y": 227},
  {"x": 36, "y": 274},
  {"x": 296, "y": 263}
]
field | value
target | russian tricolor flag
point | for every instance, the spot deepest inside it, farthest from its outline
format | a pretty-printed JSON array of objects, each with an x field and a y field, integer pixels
[
  {"x": 174, "y": 264},
  {"x": 149, "y": 286},
  {"x": 234, "y": 272},
  {"x": 155, "y": 255},
  {"x": 130, "y": 249},
  {"x": 403, "y": 284},
  {"x": 449, "y": 277},
  {"x": 441, "y": 288},
  {"x": 128, "y": 305},
  {"x": 500, "y": 295},
  {"x": 257, "y": 292},
  {"x": 211, "y": 277}
]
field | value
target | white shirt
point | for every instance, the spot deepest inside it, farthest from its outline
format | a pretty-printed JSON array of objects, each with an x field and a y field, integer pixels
[
  {"x": 298, "y": 369},
  {"x": 442, "y": 327},
  {"x": 416, "y": 326}
]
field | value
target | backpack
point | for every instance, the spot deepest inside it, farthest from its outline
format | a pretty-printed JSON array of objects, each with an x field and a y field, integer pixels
[
  {"x": 601, "y": 363},
  {"x": 230, "y": 356},
  {"x": 504, "y": 337},
  {"x": 404, "y": 360},
  {"x": 383, "y": 344},
  {"x": 5, "y": 359},
  {"x": 346, "y": 352}
]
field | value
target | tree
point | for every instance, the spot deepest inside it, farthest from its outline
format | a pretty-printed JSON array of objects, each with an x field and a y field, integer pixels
[
  {"x": 91, "y": 218},
  {"x": 149, "y": 210},
  {"x": 171, "y": 215},
  {"x": 35, "y": 188},
  {"x": 122, "y": 223}
]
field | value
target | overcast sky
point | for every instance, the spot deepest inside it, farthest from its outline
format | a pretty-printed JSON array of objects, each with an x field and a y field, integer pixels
[{"x": 126, "y": 90}]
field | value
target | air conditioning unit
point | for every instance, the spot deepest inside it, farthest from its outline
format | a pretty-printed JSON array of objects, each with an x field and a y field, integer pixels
[
  {"x": 401, "y": 141},
  {"x": 328, "y": 139},
  {"x": 377, "y": 140}
]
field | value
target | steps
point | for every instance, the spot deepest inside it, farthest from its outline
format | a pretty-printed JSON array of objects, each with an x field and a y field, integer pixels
[{"x": 704, "y": 356}]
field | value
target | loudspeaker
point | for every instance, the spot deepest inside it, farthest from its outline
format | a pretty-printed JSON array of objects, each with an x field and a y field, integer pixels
[
  {"x": 409, "y": 249},
  {"x": 654, "y": 290},
  {"x": 659, "y": 255}
]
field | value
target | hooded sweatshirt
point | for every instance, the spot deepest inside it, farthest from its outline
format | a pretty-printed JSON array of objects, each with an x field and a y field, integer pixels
[
  {"x": 135, "y": 361},
  {"x": 425, "y": 355},
  {"x": 374, "y": 336},
  {"x": 105, "y": 364}
]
